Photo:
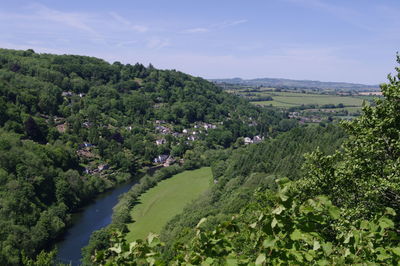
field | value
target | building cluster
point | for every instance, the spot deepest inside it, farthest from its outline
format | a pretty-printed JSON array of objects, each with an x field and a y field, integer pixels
[
  {"x": 304, "y": 119},
  {"x": 255, "y": 139},
  {"x": 190, "y": 134},
  {"x": 85, "y": 151},
  {"x": 100, "y": 168},
  {"x": 71, "y": 94},
  {"x": 164, "y": 160}
]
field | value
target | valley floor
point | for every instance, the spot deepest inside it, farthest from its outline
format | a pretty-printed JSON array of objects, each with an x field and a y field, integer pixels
[{"x": 159, "y": 204}]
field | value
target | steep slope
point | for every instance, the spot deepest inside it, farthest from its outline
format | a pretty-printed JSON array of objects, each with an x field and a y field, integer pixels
[{"x": 74, "y": 126}]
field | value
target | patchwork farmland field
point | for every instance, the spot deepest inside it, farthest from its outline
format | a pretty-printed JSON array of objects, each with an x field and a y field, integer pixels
[{"x": 292, "y": 99}]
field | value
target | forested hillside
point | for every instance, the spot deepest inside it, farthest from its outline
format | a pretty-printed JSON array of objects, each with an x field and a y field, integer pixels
[
  {"x": 342, "y": 207},
  {"x": 238, "y": 173},
  {"x": 74, "y": 126}
]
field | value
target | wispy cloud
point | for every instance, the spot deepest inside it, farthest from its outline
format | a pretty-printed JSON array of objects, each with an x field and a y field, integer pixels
[
  {"x": 227, "y": 24},
  {"x": 348, "y": 15},
  {"x": 127, "y": 23},
  {"x": 75, "y": 20},
  {"x": 126, "y": 43},
  {"x": 157, "y": 43},
  {"x": 196, "y": 30},
  {"x": 217, "y": 26}
]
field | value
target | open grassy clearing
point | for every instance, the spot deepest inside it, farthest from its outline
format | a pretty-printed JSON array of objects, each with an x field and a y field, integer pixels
[{"x": 159, "y": 204}]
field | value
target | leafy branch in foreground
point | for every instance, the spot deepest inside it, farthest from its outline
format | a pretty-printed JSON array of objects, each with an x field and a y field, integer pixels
[
  {"x": 290, "y": 231},
  {"x": 139, "y": 252}
]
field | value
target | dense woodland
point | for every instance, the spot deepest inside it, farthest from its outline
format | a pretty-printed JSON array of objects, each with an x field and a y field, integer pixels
[{"x": 74, "y": 126}]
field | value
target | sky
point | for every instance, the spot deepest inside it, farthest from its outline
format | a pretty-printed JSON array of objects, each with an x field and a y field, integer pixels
[{"x": 326, "y": 40}]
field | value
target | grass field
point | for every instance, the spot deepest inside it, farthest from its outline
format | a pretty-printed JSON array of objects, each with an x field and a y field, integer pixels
[
  {"x": 289, "y": 99},
  {"x": 159, "y": 204}
]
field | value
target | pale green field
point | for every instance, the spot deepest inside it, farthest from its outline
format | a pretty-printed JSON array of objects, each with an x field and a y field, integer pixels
[
  {"x": 290, "y": 99},
  {"x": 162, "y": 202}
]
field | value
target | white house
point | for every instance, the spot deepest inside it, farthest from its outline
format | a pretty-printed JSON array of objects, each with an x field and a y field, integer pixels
[{"x": 247, "y": 140}]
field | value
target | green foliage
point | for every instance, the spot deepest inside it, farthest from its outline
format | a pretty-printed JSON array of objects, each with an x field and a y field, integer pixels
[
  {"x": 283, "y": 231},
  {"x": 122, "y": 211},
  {"x": 363, "y": 175},
  {"x": 42, "y": 259},
  {"x": 51, "y": 104},
  {"x": 140, "y": 252},
  {"x": 294, "y": 232},
  {"x": 240, "y": 171}
]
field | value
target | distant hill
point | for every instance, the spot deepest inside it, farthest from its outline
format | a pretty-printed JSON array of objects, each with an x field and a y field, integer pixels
[{"x": 290, "y": 83}]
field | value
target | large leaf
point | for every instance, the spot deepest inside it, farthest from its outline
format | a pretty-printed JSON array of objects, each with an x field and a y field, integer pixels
[{"x": 260, "y": 259}]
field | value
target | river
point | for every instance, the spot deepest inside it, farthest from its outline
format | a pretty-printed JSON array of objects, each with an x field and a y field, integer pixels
[{"x": 92, "y": 217}]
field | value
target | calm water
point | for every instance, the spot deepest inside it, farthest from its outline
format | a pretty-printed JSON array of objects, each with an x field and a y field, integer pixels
[{"x": 93, "y": 217}]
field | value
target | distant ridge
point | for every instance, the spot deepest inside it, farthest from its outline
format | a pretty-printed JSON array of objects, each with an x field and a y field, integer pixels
[{"x": 290, "y": 83}]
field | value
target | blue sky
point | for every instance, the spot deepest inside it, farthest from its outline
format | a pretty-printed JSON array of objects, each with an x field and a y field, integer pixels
[{"x": 352, "y": 41}]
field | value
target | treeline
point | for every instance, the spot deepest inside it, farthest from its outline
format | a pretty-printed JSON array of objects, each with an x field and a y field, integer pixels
[{"x": 73, "y": 126}]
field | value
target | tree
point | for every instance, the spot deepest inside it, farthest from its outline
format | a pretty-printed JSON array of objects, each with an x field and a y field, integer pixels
[
  {"x": 364, "y": 174},
  {"x": 33, "y": 131}
]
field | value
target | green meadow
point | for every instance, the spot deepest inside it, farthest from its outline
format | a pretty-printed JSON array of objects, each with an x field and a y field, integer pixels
[
  {"x": 162, "y": 202},
  {"x": 289, "y": 99}
]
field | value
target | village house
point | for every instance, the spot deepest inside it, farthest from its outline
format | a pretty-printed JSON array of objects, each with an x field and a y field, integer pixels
[
  {"x": 192, "y": 138},
  {"x": 85, "y": 145},
  {"x": 209, "y": 126},
  {"x": 248, "y": 140},
  {"x": 257, "y": 139},
  {"x": 160, "y": 141},
  {"x": 67, "y": 93},
  {"x": 160, "y": 159},
  {"x": 103, "y": 167},
  {"x": 85, "y": 152},
  {"x": 169, "y": 161},
  {"x": 87, "y": 124},
  {"x": 294, "y": 115},
  {"x": 62, "y": 128},
  {"x": 163, "y": 130}
]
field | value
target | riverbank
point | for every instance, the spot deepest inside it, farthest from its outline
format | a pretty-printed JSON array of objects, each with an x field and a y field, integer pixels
[
  {"x": 167, "y": 199},
  {"x": 99, "y": 240},
  {"x": 94, "y": 216}
]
